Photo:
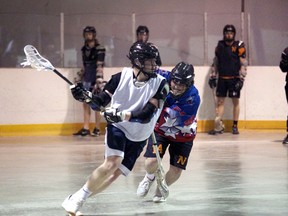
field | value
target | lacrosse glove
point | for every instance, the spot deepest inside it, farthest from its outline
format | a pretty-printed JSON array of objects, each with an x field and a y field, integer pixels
[
  {"x": 78, "y": 92},
  {"x": 238, "y": 84},
  {"x": 212, "y": 82},
  {"x": 113, "y": 115}
]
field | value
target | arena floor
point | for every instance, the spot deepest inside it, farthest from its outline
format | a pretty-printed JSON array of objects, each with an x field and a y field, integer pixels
[{"x": 226, "y": 175}]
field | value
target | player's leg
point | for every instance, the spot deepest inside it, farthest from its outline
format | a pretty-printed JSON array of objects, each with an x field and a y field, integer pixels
[
  {"x": 234, "y": 94},
  {"x": 105, "y": 184},
  {"x": 115, "y": 141},
  {"x": 96, "y": 130},
  {"x": 221, "y": 92},
  {"x": 86, "y": 114},
  {"x": 151, "y": 164},
  {"x": 285, "y": 141},
  {"x": 74, "y": 202},
  {"x": 179, "y": 154},
  {"x": 236, "y": 112}
]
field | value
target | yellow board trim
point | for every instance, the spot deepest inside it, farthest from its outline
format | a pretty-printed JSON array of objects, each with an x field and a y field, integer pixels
[{"x": 69, "y": 129}]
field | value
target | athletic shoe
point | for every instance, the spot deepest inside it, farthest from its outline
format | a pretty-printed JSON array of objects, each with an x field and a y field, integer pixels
[
  {"x": 72, "y": 205},
  {"x": 82, "y": 132},
  {"x": 158, "y": 198},
  {"x": 144, "y": 187},
  {"x": 96, "y": 132},
  {"x": 214, "y": 132},
  {"x": 235, "y": 130},
  {"x": 78, "y": 213},
  {"x": 285, "y": 141}
]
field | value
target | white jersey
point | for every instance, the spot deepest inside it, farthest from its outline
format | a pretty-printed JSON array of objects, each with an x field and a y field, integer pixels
[{"x": 128, "y": 97}]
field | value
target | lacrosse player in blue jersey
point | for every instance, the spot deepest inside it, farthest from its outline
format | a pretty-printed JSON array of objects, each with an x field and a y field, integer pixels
[
  {"x": 136, "y": 95},
  {"x": 176, "y": 128}
]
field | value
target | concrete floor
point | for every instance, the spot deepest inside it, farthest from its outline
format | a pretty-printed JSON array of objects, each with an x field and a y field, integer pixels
[{"x": 226, "y": 175}]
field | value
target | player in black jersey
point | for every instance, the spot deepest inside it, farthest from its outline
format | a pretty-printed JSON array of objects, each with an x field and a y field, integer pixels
[
  {"x": 142, "y": 34},
  {"x": 284, "y": 68},
  {"x": 228, "y": 74},
  {"x": 93, "y": 56}
]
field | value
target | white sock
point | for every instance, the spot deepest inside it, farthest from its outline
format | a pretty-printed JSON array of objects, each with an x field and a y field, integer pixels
[
  {"x": 83, "y": 193},
  {"x": 151, "y": 177}
]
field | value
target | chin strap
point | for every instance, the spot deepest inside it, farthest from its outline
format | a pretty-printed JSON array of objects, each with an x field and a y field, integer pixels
[{"x": 149, "y": 75}]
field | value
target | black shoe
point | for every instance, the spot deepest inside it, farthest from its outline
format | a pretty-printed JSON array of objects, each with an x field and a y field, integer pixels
[
  {"x": 96, "y": 132},
  {"x": 285, "y": 141},
  {"x": 82, "y": 132},
  {"x": 235, "y": 130},
  {"x": 214, "y": 132}
]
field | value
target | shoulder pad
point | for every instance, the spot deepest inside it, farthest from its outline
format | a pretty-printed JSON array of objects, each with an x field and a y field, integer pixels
[
  {"x": 241, "y": 44},
  {"x": 285, "y": 51},
  {"x": 100, "y": 47}
]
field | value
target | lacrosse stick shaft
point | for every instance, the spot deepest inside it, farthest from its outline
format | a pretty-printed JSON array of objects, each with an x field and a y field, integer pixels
[
  {"x": 63, "y": 77},
  {"x": 160, "y": 174},
  {"x": 156, "y": 149}
]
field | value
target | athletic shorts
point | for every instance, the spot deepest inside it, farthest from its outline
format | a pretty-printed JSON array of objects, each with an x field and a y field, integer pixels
[
  {"x": 116, "y": 143},
  {"x": 225, "y": 86},
  {"x": 179, "y": 151}
]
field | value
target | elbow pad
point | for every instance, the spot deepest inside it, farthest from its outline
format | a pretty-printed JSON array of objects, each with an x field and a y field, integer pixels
[
  {"x": 143, "y": 115},
  {"x": 102, "y": 99}
]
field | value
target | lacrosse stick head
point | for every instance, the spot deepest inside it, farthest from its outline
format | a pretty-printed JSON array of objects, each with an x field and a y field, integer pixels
[{"x": 35, "y": 60}]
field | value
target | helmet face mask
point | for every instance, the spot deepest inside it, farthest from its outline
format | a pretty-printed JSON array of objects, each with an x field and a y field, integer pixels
[
  {"x": 149, "y": 67},
  {"x": 89, "y": 33},
  {"x": 181, "y": 78},
  {"x": 143, "y": 57},
  {"x": 229, "y": 33},
  {"x": 177, "y": 88}
]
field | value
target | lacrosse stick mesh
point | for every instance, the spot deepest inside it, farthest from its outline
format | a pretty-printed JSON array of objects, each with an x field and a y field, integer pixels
[{"x": 35, "y": 60}]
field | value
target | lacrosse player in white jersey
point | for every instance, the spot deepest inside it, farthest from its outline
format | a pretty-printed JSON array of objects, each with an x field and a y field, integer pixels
[{"x": 137, "y": 96}]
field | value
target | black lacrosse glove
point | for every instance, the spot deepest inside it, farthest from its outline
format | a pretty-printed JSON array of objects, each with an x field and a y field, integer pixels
[
  {"x": 113, "y": 115},
  {"x": 212, "y": 82},
  {"x": 78, "y": 92},
  {"x": 82, "y": 95},
  {"x": 238, "y": 84}
]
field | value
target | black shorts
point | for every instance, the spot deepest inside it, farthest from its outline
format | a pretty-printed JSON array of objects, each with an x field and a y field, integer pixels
[
  {"x": 118, "y": 144},
  {"x": 225, "y": 86},
  {"x": 179, "y": 151}
]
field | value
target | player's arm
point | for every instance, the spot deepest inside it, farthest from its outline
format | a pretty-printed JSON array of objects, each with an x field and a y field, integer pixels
[
  {"x": 213, "y": 72},
  {"x": 284, "y": 61},
  {"x": 243, "y": 60},
  {"x": 100, "y": 60},
  {"x": 96, "y": 101}
]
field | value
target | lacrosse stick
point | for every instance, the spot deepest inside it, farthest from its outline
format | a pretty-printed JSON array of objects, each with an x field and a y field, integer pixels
[
  {"x": 160, "y": 174},
  {"x": 35, "y": 60}
]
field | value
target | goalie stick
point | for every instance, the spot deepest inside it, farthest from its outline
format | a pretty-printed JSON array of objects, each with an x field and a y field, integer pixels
[
  {"x": 35, "y": 60},
  {"x": 160, "y": 173}
]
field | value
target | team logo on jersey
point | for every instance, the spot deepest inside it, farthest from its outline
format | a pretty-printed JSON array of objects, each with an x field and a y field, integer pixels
[{"x": 173, "y": 123}]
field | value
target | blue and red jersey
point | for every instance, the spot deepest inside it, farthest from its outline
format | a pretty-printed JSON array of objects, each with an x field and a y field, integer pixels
[{"x": 177, "y": 121}]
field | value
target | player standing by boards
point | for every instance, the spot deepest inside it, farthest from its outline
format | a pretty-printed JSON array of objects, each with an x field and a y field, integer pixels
[
  {"x": 175, "y": 128},
  {"x": 284, "y": 68},
  {"x": 230, "y": 68},
  {"x": 142, "y": 35},
  {"x": 136, "y": 95},
  {"x": 93, "y": 56}
]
